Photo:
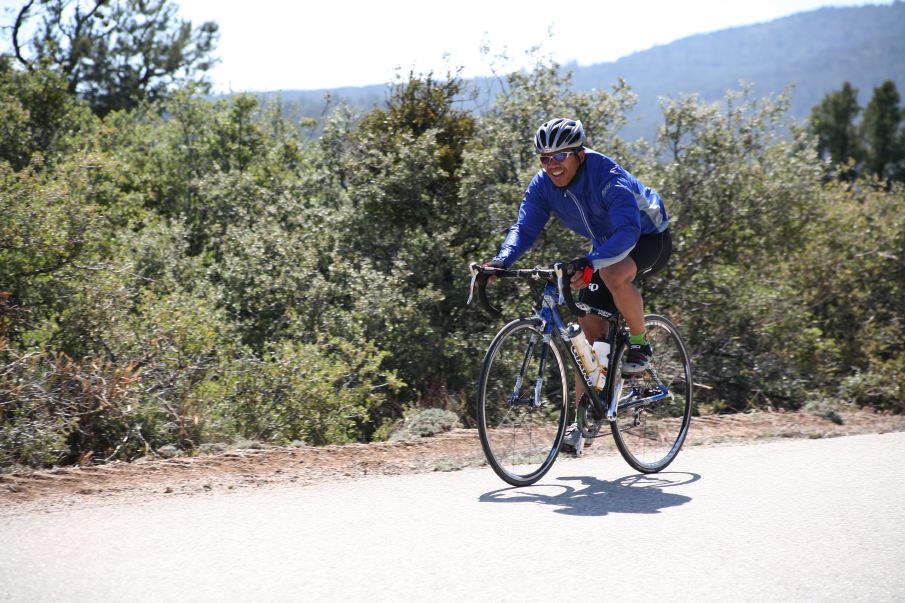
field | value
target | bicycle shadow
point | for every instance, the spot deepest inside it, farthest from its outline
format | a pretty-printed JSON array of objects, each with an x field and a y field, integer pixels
[{"x": 640, "y": 493}]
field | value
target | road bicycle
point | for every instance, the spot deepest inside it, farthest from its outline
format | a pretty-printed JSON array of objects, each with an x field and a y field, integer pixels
[{"x": 523, "y": 391}]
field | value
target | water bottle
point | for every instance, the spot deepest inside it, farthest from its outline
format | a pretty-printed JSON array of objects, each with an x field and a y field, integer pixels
[
  {"x": 589, "y": 362},
  {"x": 602, "y": 351}
]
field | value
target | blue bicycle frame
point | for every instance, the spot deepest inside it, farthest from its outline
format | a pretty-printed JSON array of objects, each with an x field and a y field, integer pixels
[{"x": 550, "y": 319}]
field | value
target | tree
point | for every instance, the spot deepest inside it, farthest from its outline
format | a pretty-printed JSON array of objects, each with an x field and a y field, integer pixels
[
  {"x": 880, "y": 131},
  {"x": 114, "y": 53},
  {"x": 36, "y": 114},
  {"x": 402, "y": 224},
  {"x": 832, "y": 121},
  {"x": 739, "y": 195}
]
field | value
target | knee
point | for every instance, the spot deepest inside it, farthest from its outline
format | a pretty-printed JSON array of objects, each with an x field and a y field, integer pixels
[
  {"x": 592, "y": 327},
  {"x": 618, "y": 275}
]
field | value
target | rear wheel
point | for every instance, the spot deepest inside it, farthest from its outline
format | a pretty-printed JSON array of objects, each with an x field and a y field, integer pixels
[
  {"x": 522, "y": 403},
  {"x": 654, "y": 410}
]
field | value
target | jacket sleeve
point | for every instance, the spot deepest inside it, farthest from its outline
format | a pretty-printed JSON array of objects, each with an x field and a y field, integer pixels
[
  {"x": 622, "y": 209},
  {"x": 532, "y": 218}
]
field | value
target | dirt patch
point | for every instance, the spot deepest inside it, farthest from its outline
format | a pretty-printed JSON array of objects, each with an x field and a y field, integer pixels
[{"x": 71, "y": 487}]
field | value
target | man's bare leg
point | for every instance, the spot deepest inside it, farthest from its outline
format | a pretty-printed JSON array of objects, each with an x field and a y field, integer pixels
[{"x": 619, "y": 278}]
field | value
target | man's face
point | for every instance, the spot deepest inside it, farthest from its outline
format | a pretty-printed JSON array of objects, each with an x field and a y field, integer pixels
[{"x": 561, "y": 172}]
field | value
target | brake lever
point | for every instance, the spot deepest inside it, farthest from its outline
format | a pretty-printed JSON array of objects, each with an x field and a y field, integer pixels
[
  {"x": 474, "y": 267},
  {"x": 558, "y": 269}
]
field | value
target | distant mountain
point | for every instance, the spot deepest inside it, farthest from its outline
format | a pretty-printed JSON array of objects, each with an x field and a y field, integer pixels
[{"x": 815, "y": 51}]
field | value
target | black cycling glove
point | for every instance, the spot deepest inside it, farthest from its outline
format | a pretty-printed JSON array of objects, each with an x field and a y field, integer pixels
[{"x": 582, "y": 266}]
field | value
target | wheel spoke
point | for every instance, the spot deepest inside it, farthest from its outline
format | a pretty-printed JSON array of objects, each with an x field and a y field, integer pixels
[
  {"x": 655, "y": 406},
  {"x": 520, "y": 437}
]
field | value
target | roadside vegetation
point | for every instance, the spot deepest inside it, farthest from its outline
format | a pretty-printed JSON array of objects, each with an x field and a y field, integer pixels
[{"x": 181, "y": 271}]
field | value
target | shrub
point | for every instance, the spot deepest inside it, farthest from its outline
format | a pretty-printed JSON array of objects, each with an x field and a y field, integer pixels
[
  {"x": 54, "y": 409},
  {"x": 424, "y": 422},
  {"x": 318, "y": 393}
]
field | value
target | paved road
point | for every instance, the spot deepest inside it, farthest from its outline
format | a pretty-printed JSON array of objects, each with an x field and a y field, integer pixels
[{"x": 795, "y": 520}]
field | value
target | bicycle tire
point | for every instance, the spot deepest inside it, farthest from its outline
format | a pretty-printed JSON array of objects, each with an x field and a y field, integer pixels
[
  {"x": 521, "y": 411},
  {"x": 652, "y": 421}
]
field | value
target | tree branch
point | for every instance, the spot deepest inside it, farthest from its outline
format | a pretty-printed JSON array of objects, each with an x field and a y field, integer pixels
[
  {"x": 76, "y": 48},
  {"x": 20, "y": 20}
]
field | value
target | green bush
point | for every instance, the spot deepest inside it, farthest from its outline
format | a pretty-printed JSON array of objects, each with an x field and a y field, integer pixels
[
  {"x": 318, "y": 393},
  {"x": 422, "y": 423}
]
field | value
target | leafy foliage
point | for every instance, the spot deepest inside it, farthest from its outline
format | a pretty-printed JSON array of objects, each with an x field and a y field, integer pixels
[
  {"x": 424, "y": 422},
  {"x": 115, "y": 54},
  {"x": 215, "y": 275},
  {"x": 316, "y": 393},
  {"x": 875, "y": 146},
  {"x": 883, "y": 137},
  {"x": 36, "y": 114},
  {"x": 832, "y": 121}
]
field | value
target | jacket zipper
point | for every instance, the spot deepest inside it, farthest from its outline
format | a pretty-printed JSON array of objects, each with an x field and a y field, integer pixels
[{"x": 584, "y": 218}]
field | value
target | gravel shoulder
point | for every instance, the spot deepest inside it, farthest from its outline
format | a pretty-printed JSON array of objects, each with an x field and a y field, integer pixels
[{"x": 235, "y": 470}]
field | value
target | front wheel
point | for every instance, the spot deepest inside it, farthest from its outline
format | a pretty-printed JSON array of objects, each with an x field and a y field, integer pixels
[
  {"x": 654, "y": 410},
  {"x": 522, "y": 402}
]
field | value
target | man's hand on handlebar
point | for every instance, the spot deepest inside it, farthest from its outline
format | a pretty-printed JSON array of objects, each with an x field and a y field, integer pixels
[
  {"x": 580, "y": 272},
  {"x": 492, "y": 264},
  {"x": 487, "y": 272}
]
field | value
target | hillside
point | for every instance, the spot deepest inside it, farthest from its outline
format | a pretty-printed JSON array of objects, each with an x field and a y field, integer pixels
[{"x": 815, "y": 51}]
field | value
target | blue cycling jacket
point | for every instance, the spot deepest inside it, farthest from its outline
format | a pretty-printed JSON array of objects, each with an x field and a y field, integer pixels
[{"x": 603, "y": 203}]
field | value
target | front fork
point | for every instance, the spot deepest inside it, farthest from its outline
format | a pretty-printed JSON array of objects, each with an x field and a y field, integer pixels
[
  {"x": 541, "y": 365},
  {"x": 539, "y": 383}
]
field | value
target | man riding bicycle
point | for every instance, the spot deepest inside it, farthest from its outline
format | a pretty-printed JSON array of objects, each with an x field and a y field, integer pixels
[{"x": 596, "y": 198}]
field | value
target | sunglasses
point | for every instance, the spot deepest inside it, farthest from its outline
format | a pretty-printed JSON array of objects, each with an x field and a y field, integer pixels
[{"x": 558, "y": 158}]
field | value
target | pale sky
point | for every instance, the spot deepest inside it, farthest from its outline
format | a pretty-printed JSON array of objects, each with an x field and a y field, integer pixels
[{"x": 278, "y": 45}]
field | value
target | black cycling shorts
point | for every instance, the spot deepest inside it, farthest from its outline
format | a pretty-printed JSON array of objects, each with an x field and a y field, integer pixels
[{"x": 651, "y": 254}]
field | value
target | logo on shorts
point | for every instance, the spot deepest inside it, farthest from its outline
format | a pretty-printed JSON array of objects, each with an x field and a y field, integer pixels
[{"x": 593, "y": 286}]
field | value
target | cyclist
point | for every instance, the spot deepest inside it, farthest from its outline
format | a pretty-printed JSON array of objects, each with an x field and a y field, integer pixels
[{"x": 597, "y": 198}]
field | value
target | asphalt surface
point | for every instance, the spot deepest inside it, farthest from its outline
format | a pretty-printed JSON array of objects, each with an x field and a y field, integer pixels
[{"x": 797, "y": 520}]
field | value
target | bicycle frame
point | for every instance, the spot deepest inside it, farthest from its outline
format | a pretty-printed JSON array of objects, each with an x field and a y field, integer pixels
[
  {"x": 551, "y": 320},
  {"x": 555, "y": 294}
]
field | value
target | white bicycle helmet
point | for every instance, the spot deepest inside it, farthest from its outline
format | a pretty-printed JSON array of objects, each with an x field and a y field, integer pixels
[{"x": 559, "y": 134}]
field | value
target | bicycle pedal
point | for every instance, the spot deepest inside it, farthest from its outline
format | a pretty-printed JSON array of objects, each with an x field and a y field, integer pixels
[
  {"x": 573, "y": 450},
  {"x": 567, "y": 450}
]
